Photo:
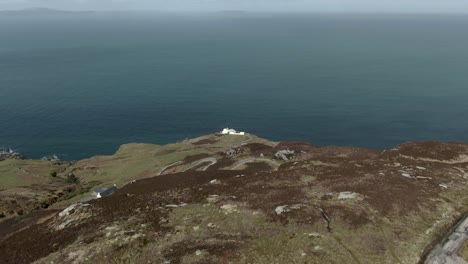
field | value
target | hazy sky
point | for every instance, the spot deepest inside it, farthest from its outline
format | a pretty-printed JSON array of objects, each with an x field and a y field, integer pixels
[{"x": 249, "y": 5}]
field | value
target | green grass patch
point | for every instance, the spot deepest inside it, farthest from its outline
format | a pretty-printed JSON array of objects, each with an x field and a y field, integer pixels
[{"x": 16, "y": 173}]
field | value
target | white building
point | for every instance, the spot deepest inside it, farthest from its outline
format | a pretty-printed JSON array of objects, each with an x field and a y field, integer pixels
[
  {"x": 103, "y": 192},
  {"x": 230, "y": 131}
]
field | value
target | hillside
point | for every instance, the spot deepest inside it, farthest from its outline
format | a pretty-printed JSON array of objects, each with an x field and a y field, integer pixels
[{"x": 237, "y": 199}]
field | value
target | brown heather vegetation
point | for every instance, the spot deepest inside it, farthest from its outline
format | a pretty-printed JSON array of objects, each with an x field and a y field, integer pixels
[{"x": 382, "y": 207}]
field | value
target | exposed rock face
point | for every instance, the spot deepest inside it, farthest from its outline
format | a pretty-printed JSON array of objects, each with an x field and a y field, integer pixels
[
  {"x": 347, "y": 195},
  {"x": 232, "y": 152},
  {"x": 68, "y": 210},
  {"x": 281, "y": 209},
  {"x": 285, "y": 154}
]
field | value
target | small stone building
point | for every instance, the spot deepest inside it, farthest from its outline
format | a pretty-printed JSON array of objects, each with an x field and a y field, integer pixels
[{"x": 103, "y": 192}]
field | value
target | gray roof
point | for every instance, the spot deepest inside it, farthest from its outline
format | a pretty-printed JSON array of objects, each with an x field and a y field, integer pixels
[{"x": 109, "y": 191}]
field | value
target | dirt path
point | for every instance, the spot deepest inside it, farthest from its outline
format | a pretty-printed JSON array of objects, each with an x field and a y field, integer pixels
[
  {"x": 447, "y": 251},
  {"x": 168, "y": 166},
  {"x": 243, "y": 162},
  {"x": 198, "y": 162},
  {"x": 249, "y": 138}
]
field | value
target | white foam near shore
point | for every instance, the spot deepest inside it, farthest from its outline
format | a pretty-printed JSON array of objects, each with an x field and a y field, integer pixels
[{"x": 8, "y": 152}]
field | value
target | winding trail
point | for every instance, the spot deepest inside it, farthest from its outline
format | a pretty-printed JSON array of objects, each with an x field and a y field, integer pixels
[
  {"x": 447, "y": 251},
  {"x": 243, "y": 142},
  {"x": 198, "y": 162},
  {"x": 168, "y": 166},
  {"x": 251, "y": 160}
]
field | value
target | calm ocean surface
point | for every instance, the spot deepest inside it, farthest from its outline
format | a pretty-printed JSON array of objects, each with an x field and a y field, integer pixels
[{"x": 82, "y": 85}]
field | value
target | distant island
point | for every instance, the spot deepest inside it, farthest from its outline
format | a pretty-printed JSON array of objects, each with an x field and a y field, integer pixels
[{"x": 41, "y": 11}]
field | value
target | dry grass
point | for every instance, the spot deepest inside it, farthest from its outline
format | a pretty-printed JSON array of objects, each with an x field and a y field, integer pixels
[
  {"x": 464, "y": 251},
  {"x": 175, "y": 218}
]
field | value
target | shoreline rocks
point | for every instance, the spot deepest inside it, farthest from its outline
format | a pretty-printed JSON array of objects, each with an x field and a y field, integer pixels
[
  {"x": 8, "y": 153},
  {"x": 51, "y": 158}
]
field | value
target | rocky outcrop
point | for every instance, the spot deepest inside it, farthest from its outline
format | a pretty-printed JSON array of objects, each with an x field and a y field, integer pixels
[
  {"x": 51, "y": 158},
  {"x": 232, "y": 153},
  {"x": 285, "y": 154},
  {"x": 7, "y": 153}
]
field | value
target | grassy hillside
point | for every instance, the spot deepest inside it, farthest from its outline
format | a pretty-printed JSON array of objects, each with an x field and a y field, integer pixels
[
  {"x": 137, "y": 161},
  {"x": 229, "y": 199}
]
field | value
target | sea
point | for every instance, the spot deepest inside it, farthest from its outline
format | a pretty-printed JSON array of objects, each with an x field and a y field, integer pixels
[{"x": 79, "y": 85}]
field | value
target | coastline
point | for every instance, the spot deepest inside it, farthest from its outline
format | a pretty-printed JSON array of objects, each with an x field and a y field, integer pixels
[{"x": 289, "y": 184}]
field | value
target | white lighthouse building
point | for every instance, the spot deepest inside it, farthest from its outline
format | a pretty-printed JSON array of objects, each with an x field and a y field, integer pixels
[{"x": 230, "y": 131}]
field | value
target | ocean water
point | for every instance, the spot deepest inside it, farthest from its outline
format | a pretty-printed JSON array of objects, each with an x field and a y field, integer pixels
[{"x": 81, "y": 85}]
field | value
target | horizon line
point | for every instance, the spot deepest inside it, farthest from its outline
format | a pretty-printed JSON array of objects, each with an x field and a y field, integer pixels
[{"x": 236, "y": 11}]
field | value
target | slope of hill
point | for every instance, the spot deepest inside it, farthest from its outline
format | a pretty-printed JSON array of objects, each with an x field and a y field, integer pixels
[{"x": 243, "y": 199}]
